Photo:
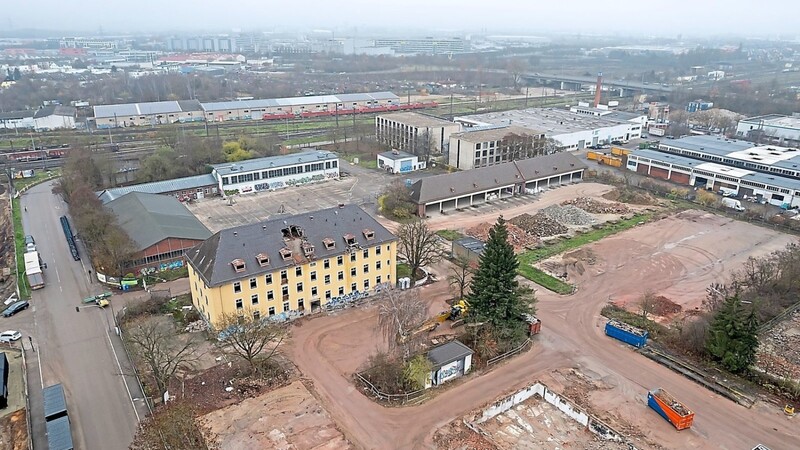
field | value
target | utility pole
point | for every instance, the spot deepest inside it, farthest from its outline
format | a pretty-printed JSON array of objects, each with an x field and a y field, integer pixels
[
  {"x": 451, "y": 106},
  {"x": 526, "y": 96}
]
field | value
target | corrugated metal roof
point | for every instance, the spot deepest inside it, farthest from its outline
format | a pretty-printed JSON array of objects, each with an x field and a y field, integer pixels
[
  {"x": 212, "y": 259},
  {"x": 146, "y": 108},
  {"x": 272, "y": 162},
  {"x": 54, "y": 401},
  {"x": 160, "y": 187},
  {"x": 59, "y": 435},
  {"x": 151, "y": 218},
  {"x": 720, "y": 169},
  {"x": 297, "y": 101},
  {"x": 449, "y": 352}
]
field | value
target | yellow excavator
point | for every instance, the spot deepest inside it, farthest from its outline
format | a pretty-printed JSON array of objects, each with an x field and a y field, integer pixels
[{"x": 455, "y": 314}]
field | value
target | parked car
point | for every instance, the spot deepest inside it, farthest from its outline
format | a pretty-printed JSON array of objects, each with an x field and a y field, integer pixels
[
  {"x": 10, "y": 336},
  {"x": 29, "y": 240},
  {"x": 15, "y": 308}
]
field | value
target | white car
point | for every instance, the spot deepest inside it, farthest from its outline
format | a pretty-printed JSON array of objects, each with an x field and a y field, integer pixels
[{"x": 10, "y": 336}]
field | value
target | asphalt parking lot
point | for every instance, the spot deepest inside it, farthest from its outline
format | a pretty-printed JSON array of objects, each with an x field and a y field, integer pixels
[{"x": 360, "y": 187}]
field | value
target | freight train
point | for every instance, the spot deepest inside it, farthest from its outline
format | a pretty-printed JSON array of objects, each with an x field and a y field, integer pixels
[
  {"x": 348, "y": 111},
  {"x": 36, "y": 155}
]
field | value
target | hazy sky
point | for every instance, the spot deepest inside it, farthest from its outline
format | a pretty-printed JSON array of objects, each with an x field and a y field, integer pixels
[{"x": 669, "y": 18}]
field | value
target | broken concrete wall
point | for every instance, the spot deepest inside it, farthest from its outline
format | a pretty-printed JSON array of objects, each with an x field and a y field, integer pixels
[{"x": 563, "y": 404}]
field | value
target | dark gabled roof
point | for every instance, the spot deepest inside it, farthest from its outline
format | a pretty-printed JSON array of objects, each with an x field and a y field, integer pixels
[
  {"x": 470, "y": 243},
  {"x": 213, "y": 258},
  {"x": 458, "y": 184},
  {"x": 16, "y": 115},
  {"x": 447, "y": 353},
  {"x": 56, "y": 110},
  {"x": 150, "y": 218},
  {"x": 59, "y": 435},
  {"x": 547, "y": 166}
]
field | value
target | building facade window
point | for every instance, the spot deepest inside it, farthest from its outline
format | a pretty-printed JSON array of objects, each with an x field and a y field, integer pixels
[
  {"x": 271, "y": 310},
  {"x": 326, "y": 264},
  {"x": 299, "y": 287},
  {"x": 285, "y": 306},
  {"x": 270, "y": 295},
  {"x": 339, "y": 260},
  {"x": 366, "y": 268},
  {"x": 239, "y": 304},
  {"x": 237, "y": 287},
  {"x": 365, "y": 253},
  {"x": 340, "y": 275},
  {"x": 253, "y": 283},
  {"x": 268, "y": 278},
  {"x": 327, "y": 279},
  {"x": 254, "y": 299},
  {"x": 352, "y": 271},
  {"x": 298, "y": 271},
  {"x": 313, "y": 275},
  {"x": 256, "y": 315}
]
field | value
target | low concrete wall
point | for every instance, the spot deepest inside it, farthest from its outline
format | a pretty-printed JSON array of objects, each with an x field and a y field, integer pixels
[{"x": 563, "y": 404}]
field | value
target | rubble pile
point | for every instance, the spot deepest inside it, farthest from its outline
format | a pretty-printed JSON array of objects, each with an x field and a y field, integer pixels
[
  {"x": 517, "y": 237},
  {"x": 569, "y": 215},
  {"x": 539, "y": 225},
  {"x": 597, "y": 207},
  {"x": 196, "y": 327},
  {"x": 779, "y": 352}
]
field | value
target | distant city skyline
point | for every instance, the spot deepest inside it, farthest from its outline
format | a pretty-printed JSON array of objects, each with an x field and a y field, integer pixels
[{"x": 439, "y": 18}]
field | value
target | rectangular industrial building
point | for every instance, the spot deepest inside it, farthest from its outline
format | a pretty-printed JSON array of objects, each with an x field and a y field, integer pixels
[
  {"x": 770, "y": 159},
  {"x": 574, "y": 129},
  {"x": 161, "y": 228},
  {"x": 258, "y": 108},
  {"x": 488, "y": 146},
  {"x": 412, "y": 132},
  {"x": 745, "y": 183},
  {"x": 276, "y": 172},
  {"x": 147, "y": 114},
  {"x": 291, "y": 264},
  {"x": 471, "y": 188},
  {"x": 774, "y": 128},
  {"x": 55, "y": 117},
  {"x": 194, "y": 188}
]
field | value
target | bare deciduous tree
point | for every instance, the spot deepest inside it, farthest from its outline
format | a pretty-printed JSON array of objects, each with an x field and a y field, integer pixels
[
  {"x": 399, "y": 313},
  {"x": 459, "y": 278},
  {"x": 419, "y": 245},
  {"x": 647, "y": 304},
  {"x": 249, "y": 337},
  {"x": 163, "y": 350},
  {"x": 172, "y": 427}
]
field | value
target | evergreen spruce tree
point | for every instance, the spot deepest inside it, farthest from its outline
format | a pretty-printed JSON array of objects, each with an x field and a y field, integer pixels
[
  {"x": 733, "y": 339},
  {"x": 495, "y": 296}
]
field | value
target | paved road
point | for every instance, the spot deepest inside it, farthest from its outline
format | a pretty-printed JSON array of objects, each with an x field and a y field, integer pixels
[{"x": 75, "y": 348}]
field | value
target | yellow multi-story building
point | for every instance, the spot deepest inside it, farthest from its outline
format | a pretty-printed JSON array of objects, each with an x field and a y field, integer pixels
[{"x": 291, "y": 264}]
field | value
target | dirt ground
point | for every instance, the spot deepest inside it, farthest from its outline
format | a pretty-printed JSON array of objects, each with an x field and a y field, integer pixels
[
  {"x": 286, "y": 418},
  {"x": 13, "y": 427},
  {"x": 676, "y": 257}
]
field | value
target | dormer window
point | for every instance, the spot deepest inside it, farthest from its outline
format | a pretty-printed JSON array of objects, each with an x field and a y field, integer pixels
[
  {"x": 349, "y": 239},
  {"x": 308, "y": 249},
  {"x": 329, "y": 243},
  {"x": 238, "y": 265},
  {"x": 285, "y": 253},
  {"x": 369, "y": 234},
  {"x": 263, "y": 259}
]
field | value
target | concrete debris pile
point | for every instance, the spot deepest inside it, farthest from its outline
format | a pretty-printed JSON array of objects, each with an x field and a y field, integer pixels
[
  {"x": 597, "y": 207},
  {"x": 517, "y": 237},
  {"x": 196, "y": 327},
  {"x": 569, "y": 215},
  {"x": 779, "y": 352},
  {"x": 539, "y": 225}
]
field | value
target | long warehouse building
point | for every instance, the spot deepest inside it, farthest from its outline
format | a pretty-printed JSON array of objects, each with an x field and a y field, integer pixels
[
  {"x": 773, "y": 189},
  {"x": 471, "y": 188}
]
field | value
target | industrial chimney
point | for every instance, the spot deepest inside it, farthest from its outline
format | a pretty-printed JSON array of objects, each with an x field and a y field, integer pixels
[{"x": 598, "y": 90}]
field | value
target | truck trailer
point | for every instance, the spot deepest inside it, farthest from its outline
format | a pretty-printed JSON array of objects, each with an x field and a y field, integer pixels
[
  {"x": 626, "y": 333},
  {"x": 670, "y": 409},
  {"x": 33, "y": 270}
]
